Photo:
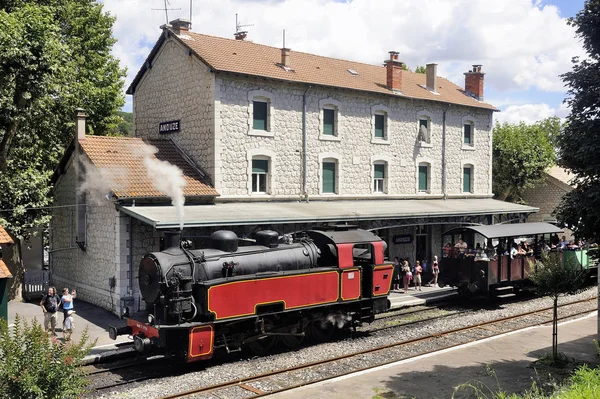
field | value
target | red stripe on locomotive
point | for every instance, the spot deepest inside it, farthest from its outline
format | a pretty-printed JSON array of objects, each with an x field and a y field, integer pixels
[
  {"x": 350, "y": 284},
  {"x": 139, "y": 328},
  {"x": 382, "y": 279},
  {"x": 201, "y": 343},
  {"x": 240, "y": 298}
]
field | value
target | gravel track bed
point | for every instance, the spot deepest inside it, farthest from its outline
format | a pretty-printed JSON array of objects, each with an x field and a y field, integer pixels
[{"x": 198, "y": 376}]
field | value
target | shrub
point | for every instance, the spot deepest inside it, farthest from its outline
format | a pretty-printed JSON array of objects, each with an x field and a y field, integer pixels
[{"x": 32, "y": 366}]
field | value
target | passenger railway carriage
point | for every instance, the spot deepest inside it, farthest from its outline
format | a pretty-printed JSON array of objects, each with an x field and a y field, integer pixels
[
  {"x": 281, "y": 288},
  {"x": 494, "y": 272}
]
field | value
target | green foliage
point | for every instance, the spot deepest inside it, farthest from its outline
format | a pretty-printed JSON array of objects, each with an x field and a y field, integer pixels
[
  {"x": 421, "y": 69},
  {"x": 54, "y": 57},
  {"x": 579, "y": 142},
  {"x": 32, "y": 366},
  {"x": 125, "y": 126},
  {"x": 553, "y": 277},
  {"x": 521, "y": 153},
  {"x": 584, "y": 384}
]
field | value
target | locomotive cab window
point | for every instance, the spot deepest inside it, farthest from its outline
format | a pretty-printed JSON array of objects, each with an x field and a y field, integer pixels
[{"x": 362, "y": 254}]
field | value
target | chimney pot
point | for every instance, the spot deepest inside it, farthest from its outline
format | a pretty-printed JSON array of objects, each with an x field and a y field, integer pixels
[
  {"x": 180, "y": 25},
  {"x": 474, "y": 82},
  {"x": 80, "y": 117},
  {"x": 285, "y": 56},
  {"x": 431, "y": 73},
  {"x": 241, "y": 35},
  {"x": 394, "y": 72}
]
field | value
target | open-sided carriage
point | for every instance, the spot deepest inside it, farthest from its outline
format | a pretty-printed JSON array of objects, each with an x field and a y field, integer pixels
[{"x": 485, "y": 265}]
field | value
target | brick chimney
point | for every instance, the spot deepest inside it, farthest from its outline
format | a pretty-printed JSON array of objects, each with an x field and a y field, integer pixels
[
  {"x": 394, "y": 71},
  {"x": 285, "y": 57},
  {"x": 474, "y": 82},
  {"x": 180, "y": 26},
  {"x": 431, "y": 72}
]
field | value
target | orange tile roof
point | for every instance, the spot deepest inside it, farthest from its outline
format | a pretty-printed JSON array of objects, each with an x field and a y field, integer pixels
[
  {"x": 4, "y": 237},
  {"x": 248, "y": 58},
  {"x": 120, "y": 161},
  {"x": 4, "y": 272}
]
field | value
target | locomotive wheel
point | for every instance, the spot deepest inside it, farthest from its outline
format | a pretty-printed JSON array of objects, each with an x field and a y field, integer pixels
[
  {"x": 321, "y": 330},
  {"x": 292, "y": 341},
  {"x": 262, "y": 346}
]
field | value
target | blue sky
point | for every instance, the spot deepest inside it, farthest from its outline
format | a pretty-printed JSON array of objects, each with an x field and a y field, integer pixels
[{"x": 524, "y": 45}]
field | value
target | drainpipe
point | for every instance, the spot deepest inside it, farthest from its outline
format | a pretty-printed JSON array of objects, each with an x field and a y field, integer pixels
[
  {"x": 130, "y": 289},
  {"x": 304, "y": 171},
  {"x": 444, "y": 178}
]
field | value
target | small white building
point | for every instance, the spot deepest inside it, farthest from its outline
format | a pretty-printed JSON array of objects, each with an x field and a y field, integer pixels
[{"x": 283, "y": 140}]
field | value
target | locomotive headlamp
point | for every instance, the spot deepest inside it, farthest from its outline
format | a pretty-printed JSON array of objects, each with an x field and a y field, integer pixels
[{"x": 151, "y": 319}]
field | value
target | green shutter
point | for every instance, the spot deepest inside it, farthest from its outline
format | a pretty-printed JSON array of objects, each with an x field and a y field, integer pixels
[
  {"x": 379, "y": 126},
  {"x": 260, "y": 115},
  {"x": 260, "y": 166},
  {"x": 467, "y": 133},
  {"x": 329, "y": 177},
  {"x": 467, "y": 180},
  {"x": 423, "y": 178},
  {"x": 328, "y": 122},
  {"x": 379, "y": 171}
]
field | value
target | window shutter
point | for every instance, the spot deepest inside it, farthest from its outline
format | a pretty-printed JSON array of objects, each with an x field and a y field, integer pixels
[
  {"x": 260, "y": 115},
  {"x": 260, "y": 166},
  {"x": 329, "y": 177},
  {"x": 379, "y": 126},
  {"x": 467, "y": 133},
  {"x": 379, "y": 172},
  {"x": 467, "y": 180},
  {"x": 423, "y": 178},
  {"x": 328, "y": 122}
]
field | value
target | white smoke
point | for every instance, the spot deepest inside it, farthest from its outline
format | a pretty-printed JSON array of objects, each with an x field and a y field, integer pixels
[
  {"x": 165, "y": 177},
  {"x": 340, "y": 320},
  {"x": 99, "y": 183}
]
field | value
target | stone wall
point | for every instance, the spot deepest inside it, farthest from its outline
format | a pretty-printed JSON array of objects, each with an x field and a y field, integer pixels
[
  {"x": 355, "y": 147},
  {"x": 178, "y": 87},
  {"x": 546, "y": 196}
]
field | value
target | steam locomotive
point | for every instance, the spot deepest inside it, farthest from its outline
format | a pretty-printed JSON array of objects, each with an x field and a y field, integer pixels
[{"x": 278, "y": 289}]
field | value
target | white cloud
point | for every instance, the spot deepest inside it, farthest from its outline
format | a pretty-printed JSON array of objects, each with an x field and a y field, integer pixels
[
  {"x": 528, "y": 113},
  {"x": 522, "y": 44}
]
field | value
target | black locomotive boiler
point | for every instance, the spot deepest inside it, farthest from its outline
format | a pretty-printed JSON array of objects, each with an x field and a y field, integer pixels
[{"x": 281, "y": 288}]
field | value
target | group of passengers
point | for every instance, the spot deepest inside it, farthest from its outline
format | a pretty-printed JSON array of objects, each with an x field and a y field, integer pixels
[{"x": 403, "y": 272}]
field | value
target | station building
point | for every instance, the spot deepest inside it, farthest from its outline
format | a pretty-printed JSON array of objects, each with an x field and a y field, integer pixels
[{"x": 269, "y": 138}]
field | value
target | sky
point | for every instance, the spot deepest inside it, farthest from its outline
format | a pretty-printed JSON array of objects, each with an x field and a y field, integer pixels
[{"x": 523, "y": 45}]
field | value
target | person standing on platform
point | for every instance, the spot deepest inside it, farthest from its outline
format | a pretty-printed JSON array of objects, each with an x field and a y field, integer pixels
[
  {"x": 418, "y": 271},
  {"x": 436, "y": 271},
  {"x": 396, "y": 275},
  {"x": 50, "y": 304},
  {"x": 406, "y": 275},
  {"x": 67, "y": 303}
]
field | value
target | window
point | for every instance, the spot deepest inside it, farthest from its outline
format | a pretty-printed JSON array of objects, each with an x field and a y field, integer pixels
[
  {"x": 379, "y": 126},
  {"x": 423, "y": 177},
  {"x": 424, "y": 130},
  {"x": 329, "y": 177},
  {"x": 329, "y": 122},
  {"x": 467, "y": 179},
  {"x": 379, "y": 178},
  {"x": 260, "y": 115},
  {"x": 468, "y": 133},
  {"x": 260, "y": 172}
]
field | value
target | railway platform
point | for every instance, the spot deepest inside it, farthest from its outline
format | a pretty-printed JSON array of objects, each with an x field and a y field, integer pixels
[
  {"x": 426, "y": 296},
  {"x": 510, "y": 356}
]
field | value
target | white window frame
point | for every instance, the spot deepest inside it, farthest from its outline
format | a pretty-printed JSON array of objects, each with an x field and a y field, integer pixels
[
  {"x": 336, "y": 106},
  {"x": 468, "y": 119},
  {"x": 467, "y": 164},
  {"x": 330, "y": 157},
  {"x": 263, "y": 96},
  {"x": 428, "y": 116},
  {"x": 385, "y": 111},
  {"x": 386, "y": 161},
  {"x": 262, "y": 154},
  {"x": 424, "y": 162}
]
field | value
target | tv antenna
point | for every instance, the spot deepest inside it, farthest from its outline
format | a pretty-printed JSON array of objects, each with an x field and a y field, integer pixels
[
  {"x": 166, "y": 9},
  {"x": 239, "y": 33}
]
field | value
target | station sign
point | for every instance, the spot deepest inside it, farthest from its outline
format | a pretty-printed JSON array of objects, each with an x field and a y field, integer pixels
[
  {"x": 402, "y": 239},
  {"x": 169, "y": 127}
]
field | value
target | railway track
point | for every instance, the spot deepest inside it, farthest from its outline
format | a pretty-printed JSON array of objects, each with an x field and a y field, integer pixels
[{"x": 295, "y": 377}]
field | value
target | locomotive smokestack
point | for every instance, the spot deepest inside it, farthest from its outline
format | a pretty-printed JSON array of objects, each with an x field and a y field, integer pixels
[{"x": 172, "y": 239}]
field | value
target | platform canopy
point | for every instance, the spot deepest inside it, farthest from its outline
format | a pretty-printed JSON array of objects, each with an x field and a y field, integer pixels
[
  {"x": 509, "y": 230},
  {"x": 255, "y": 213}
]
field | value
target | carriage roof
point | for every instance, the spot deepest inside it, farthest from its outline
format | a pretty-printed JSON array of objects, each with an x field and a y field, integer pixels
[{"x": 508, "y": 230}]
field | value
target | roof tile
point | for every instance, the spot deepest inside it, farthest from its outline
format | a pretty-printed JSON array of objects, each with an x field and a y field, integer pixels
[
  {"x": 248, "y": 58},
  {"x": 4, "y": 237},
  {"x": 4, "y": 272},
  {"x": 121, "y": 162}
]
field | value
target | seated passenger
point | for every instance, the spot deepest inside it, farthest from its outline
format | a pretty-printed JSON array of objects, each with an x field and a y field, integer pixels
[
  {"x": 520, "y": 250},
  {"x": 513, "y": 251},
  {"x": 461, "y": 248}
]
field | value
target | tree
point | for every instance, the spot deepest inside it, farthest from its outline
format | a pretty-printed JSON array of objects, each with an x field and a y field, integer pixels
[
  {"x": 579, "y": 141},
  {"x": 33, "y": 366},
  {"x": 421, "y": 69},
  {"x": 520, "y": 155},
  {"x": 553, "y": 277}
]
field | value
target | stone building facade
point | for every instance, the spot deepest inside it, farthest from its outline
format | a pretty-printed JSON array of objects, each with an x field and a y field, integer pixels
[{"x": 260, "y": 125}]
